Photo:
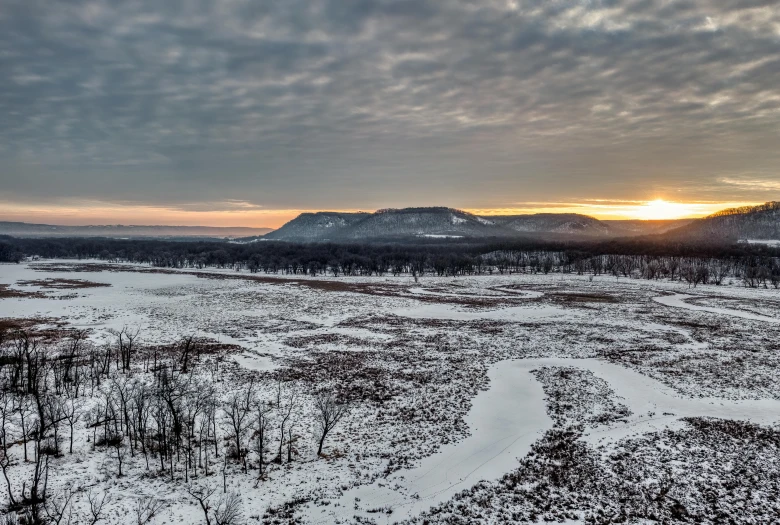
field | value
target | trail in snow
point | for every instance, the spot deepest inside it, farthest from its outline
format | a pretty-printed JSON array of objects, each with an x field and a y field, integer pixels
[
  {"x": 507, "y": 419},
  {"x": 678, "y": 301}
]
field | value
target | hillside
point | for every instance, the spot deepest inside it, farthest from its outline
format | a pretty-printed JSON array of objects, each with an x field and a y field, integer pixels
[
  {"x": 566, "y": 223},
  {"x": 422, "y": 222},
  {"x": 319, "y": 226},
  {"x": 24, "y": 229},
  {"x": 754, "y": 222},
  {"x": 632, "y": 227},
  {"x": 441, "y": 222}
]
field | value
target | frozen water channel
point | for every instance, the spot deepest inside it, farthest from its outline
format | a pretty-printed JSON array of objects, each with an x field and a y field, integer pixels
[
  {"x": 506, "y": 420},
  {"x": 678, "y": 301},
  {"x": 499, "y": 434}
]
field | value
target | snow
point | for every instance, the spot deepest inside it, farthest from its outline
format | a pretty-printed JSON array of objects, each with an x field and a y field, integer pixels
[
  {"x": 678, "y": 301},
  {"x": 505, "y": 420},
  {"x": 507, "y": 293},
  {"x": 514, "y": 313},
  {"x": 255, "y": 362},
  {"x": 478, "y": 408},
  {"x": 768, "y": 242}
]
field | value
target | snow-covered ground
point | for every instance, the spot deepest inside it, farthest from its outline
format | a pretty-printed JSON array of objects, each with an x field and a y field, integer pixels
[{"x": 441, "y": 374}]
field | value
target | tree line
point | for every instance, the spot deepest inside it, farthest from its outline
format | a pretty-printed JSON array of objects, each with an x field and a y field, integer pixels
[{"x": 645, "y": 257}]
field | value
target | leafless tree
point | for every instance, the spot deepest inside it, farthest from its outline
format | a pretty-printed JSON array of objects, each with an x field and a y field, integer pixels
[
  {"x": 117, "y": 443},
  {"x": 126, "y": 345},
  {"x": 236, "y": 411},
  {"x": 147, "y": 508},
  {"x": 262, "y": 429},
  {"x": 202, "y": 496},
  {"x": 54, "y": 407},
  {"x": 5, "y": 463},
  {"x": 187, "y": 347},
  {"x": 227, "y": 510},
  {"x": 71, "y": 411},
  {"x": 24, "y": 408},
  {"x": 285, "y": 413},
  {"x": 96, "y": 505},
  {"x": 58, "y": 509},
  {"x": 328, "y": 413},
  {"x": 6, "y": 414}
]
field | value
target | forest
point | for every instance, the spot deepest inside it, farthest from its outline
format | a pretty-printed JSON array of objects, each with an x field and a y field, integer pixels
[
  {"x": 755, "y": 265},
  {"x": 155, "y": 402}
]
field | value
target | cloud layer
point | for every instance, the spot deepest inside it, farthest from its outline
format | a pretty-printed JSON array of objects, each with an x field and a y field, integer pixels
[{"x": 350, "y": 103}]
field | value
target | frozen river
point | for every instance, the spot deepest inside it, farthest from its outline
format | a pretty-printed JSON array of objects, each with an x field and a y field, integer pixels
[{"x": 507, "y": 419}]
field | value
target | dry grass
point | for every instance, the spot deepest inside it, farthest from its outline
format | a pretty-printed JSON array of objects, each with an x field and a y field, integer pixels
[
  {"x": 63, "y": 284},
  {"x": 6, "y": 292}
]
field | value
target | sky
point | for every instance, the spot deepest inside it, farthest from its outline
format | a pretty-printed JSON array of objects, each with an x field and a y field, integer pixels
[{"x": 247, "y": 112}]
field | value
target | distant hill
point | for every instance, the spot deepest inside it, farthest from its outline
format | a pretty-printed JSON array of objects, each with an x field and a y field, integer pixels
[
  {"x": 318, "y": 226},
  {"x": 421, "y": 222},
  {"x": 24, "y": 229},
  {"x": 645, "y": 227},
  {"x": 441, "y": 222},
  {"x": 751, "y": 222},
  {"x": 566, "y": 223},
  {"x": 415, "y": 222}
]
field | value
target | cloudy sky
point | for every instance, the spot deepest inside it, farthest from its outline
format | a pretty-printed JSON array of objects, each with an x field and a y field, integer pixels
[{"x": 247, "y": 111}]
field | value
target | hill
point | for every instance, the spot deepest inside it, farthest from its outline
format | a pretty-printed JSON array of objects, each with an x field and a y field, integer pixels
[
  {"x": 24, "y": 229},
  {"x": 566, "y": 223},
  {"x": 633, "y": 227},
  {"x": 319, "y": 226},
  {"x": 760, "y": 222},
  {"x": 442, "y": 222}
]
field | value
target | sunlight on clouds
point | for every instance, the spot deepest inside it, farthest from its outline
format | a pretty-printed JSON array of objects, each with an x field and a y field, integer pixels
[
  {"x": 235, "y": 213},
  {"x": 657, "y": 209}
]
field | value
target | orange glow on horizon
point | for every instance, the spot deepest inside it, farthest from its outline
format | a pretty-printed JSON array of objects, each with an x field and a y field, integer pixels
[
  {"x": 657, "y": 209},
  {"x": 255, "y": 217}
]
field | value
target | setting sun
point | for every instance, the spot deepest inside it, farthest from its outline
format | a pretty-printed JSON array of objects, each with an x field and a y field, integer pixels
[{"x": 660, "y": 209}]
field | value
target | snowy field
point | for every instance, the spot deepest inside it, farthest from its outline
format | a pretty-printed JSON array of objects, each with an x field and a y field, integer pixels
[{"x": 489, "y": 399}]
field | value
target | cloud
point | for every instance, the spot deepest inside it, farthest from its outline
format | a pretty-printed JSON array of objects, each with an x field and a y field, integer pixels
[
  {"x": 752, "y": 184},
  {"x": 357, "y": 103}
]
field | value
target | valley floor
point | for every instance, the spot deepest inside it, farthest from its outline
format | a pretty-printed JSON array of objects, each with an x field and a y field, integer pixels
[{"x": 485, "y": 399}]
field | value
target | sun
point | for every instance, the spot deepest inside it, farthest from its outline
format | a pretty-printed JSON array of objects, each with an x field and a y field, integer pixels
[{"x": 660, "y": 209}]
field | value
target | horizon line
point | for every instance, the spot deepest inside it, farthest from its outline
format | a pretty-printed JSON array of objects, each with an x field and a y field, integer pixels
[{"x": 599, "y": 209}]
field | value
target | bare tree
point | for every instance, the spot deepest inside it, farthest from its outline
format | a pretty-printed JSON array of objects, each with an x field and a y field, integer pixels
[
  {"x": 126, "y": 345},
  {"x": 236, "y": 412},
  {"x": 227, "y": 510},
  {"x": 5, "y": 462},
  {"x": 23, "y": 407},
  {"x": 187, "y": 347},
  {"x": 202, "y": 496},
  {"x": 285, "y": 413},
  {"x": 117, "y": 442},
  {"x": 328, "y": 412},
  {"x": 6, "y": 413},
  {"x": 58, "y": 509},
  {"x": 54, "y": 407},
  {"x": 96, "y": 505},
  {"x": 147, "y": 508},
  {"x": 262, "y": 428}
]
